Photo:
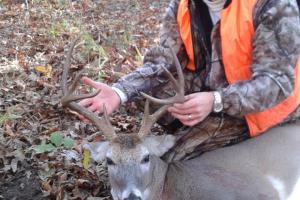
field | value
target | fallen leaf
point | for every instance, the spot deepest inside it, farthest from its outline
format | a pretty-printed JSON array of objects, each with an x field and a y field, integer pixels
[
  {"x": 41, "y": 69},
  {"x": 8, "y": 131},
  {"x": 46, "y": 186},
  {"x": 56, "y": 138},
  {"x": 86, "y": 158},
  {"x": 68, "y": 142},
  {"x": 14, "y": 164},
  {"x": 42, "y": 148},
  {"x": 71, "y": 155},
  {"x": 45, "y": 70}
]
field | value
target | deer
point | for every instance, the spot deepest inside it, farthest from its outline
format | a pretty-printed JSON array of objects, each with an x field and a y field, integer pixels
[{"x": 266, "y": 167}]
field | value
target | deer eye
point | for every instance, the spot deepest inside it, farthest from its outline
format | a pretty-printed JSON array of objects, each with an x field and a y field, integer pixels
[
  {"x": 146, "y": 159},
  {"x": 109, "y": 161}
]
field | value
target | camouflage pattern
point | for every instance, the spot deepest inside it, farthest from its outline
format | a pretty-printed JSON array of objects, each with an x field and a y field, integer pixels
[{"x": 276, "y": 48}]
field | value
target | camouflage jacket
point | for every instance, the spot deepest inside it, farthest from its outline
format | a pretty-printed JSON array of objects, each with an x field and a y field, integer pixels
[{"x": 276, "y": 49}]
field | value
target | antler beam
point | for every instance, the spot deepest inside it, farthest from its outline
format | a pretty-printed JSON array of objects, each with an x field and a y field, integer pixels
[{"x": 69, "y": 98}]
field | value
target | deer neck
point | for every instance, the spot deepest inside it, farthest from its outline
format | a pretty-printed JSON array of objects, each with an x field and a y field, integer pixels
[{"x": 160, "y": 169}]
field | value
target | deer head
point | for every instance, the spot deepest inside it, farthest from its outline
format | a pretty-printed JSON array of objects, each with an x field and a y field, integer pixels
[{"x": 131, "y": 158}]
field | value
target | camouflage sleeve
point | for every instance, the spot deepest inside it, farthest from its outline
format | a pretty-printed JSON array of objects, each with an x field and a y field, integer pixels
[
  {"x": 276, "y": 50},
  {"x": 149, "y": 76}
]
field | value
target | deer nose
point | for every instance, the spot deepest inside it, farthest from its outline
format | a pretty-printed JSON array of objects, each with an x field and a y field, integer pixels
[{"x": 132, "y": 196}]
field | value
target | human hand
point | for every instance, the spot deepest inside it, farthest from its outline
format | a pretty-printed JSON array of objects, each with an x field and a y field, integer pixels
[
  {"x": 107, "y": 97},
  {"x": 197, "y": 105}
]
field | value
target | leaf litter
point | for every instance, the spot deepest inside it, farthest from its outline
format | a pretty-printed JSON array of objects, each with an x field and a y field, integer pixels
[{"x": 40, "y": 142}]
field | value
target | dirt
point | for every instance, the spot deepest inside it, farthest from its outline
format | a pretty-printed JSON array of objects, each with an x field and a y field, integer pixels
[{"x": 24, "y": 185}]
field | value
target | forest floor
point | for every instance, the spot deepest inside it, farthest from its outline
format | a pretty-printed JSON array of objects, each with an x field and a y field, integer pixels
[{"x": 40, "y": 142}]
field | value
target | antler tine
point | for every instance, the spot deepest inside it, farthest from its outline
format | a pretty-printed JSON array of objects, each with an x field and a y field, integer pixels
[
  {"x": 68, "y": 100},
  {"x": 178, "y": 84},
  {"x": 75, "y": 82},
  {"x": 148, "y": 119},
  {"x": 65, "y": 100},
  {"x": 179, "y": 73},
  {"x": 67, "y": 68}
]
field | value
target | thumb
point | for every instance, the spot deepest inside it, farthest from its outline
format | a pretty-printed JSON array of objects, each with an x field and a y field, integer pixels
[
  {"x": 189, "y": 97},
  {"x": 90, "y": 82}
]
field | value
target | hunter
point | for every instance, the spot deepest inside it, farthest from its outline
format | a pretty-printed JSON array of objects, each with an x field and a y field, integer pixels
[{"x": 241, "y": 61}]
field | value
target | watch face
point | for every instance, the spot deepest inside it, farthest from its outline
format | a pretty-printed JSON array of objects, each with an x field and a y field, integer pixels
[{"x": 218, "y": 107}]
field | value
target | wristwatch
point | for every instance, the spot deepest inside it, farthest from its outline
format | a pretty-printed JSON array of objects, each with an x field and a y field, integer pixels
[{"x": 218, "y": 105}]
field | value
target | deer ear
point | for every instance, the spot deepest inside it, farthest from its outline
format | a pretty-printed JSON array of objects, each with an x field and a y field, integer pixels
[
  {"x": 98, "y": 150},
  {"x": 159, "y": 144}
]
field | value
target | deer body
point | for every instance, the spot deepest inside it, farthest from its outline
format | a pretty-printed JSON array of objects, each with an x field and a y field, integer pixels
[{"x": 266, "y": 167}]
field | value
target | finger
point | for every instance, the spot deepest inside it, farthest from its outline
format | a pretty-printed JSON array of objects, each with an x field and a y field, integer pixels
[
  {"x": 186, "y": 105},
  {"x": 109, "y": 111},
  {"x": 186, "y": 117},
  {"x": 86, "y": 102},
  {"x": 190, "y": 96},
  {"x": 93, "y": 108},
  {"x": 81, "y": 117},
  {"x": 193, "y": 122},
  {"x": 90, "y": 82},
  {"x": 84, "y": 119},
  {"x": 183, "y": 111}
]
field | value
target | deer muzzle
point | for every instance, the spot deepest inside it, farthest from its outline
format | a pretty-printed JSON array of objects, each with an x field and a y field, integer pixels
[{"x": 132, "y": 196}]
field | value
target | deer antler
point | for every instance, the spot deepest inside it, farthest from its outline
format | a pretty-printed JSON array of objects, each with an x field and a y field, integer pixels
[
  {"x": 69, "y": 98},
  {"x": 148, "y": 119},
  {"x": 178, "y": 84}
]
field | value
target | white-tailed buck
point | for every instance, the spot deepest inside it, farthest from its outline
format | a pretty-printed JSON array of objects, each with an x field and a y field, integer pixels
[{"x": 263, "y": 168}]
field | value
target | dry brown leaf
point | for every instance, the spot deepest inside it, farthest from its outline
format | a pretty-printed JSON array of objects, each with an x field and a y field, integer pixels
[
  {"x": 46, "y": 186},
  {"x": 9, "y": 131}
]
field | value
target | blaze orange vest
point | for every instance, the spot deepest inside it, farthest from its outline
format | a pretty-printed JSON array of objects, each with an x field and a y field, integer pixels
[{"x": 237, "y": 32}]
